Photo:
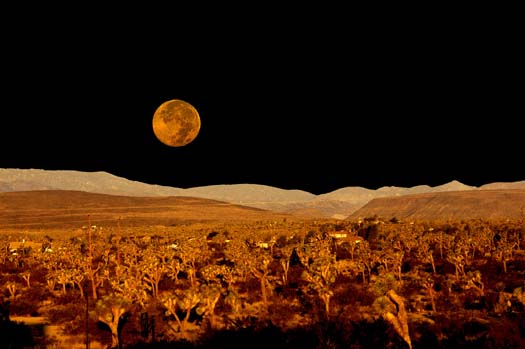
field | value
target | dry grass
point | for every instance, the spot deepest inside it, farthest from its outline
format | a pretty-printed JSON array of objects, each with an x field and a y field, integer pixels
[{"x": 67, "y": 209}]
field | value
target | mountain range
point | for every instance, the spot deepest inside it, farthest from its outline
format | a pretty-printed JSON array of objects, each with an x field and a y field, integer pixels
[
  {"x": 339, "y": 204},
  {"x": 450, "y": 205}
]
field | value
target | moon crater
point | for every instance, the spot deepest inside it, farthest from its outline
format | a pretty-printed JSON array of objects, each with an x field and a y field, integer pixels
[{"x": 176, "y": 123}]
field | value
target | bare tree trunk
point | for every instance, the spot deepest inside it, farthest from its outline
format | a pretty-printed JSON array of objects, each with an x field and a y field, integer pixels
[{"x": 263, "y": 291}]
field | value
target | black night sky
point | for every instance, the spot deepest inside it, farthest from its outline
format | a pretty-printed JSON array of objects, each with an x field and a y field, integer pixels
[{"x": 316, "y": 102}]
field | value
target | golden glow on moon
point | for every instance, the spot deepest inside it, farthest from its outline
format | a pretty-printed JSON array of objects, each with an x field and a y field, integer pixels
[{"x": 176, "y": 123}]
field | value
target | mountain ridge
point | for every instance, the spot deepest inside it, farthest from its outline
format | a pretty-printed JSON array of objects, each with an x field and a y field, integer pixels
[
  {"x": 466, "y": 204},
  {"x": 338, "y": 203}
]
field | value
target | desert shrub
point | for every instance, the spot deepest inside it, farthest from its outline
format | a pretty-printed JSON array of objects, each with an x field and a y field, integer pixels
[
  {"x": 257, "y": 335},
  {"x": 423, "y": 335},
  {"x": 34, "y": 295},
  {"x": 467, "y": 331},
  {"x": 474, "y": 302},
  {"x": 295, "y": 273},
  {"x": 342, "y": 250},
  {"x": 167, "y": 284},
  {"x": 24, "y": 307},
  {"x": 11, "y": 266},
  {"x": 338, "y": 333},
  {"x": 4, "y": 280},
  {"x": 344, "y": 290},
  {"x": 217, "y": 251},
  {"x": 516, "y": 265},
  {"x": 281, "y": 241},
  {"x": 334, "y": 333},
  {"x": 372, "y": 334},
  {"x": 281, "y": 312},
  {"x": 39, "y": 275},
  {"x": 252, "y": 287},
  {"x": 66, "y": 312},
  {"x": 68, "y": 298},
  {"x": 410, "y": 263},
  {"x": 382, "y": 283},
  {"x": 411, "y": 285},
  {"x": 295, "y": 240},
  {"x": 275, "y": 267}
]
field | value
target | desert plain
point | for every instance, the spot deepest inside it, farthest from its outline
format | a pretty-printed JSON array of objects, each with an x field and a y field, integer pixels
[{"x": 95, "y": 270}]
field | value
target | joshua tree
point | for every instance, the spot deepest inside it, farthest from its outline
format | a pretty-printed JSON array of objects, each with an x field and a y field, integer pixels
[
  {"x": 474, "y": 281},
  {"x": 173, "y": 267},
  {"x": 428, "y": 285},
  {"x": 110, "y": 310},
  {"x": 130, "y": 286},
  {"x": 235, "y": 303},
  {"x": 458, "y": 259},
  {"x": 181, "y": 301},
  {"x": 259, "y": 267},
  {"x": 391, "y": 307},
  {"x": 366, "y": 259},
  {"x": 321, "y": 272},
  {"x": 64, "y": 278},
  {"x": 504, "y": 250},
  {"x": 210, "y": 295},
  {"x": 286, "y": 255},
  {"x": 92, "y": 271},
  {"x": 320, "y": 275},
  {"x": 426, "y": 253},
  {"x": 153, "y": 270},
  {"x": 220, "y": 274},
  {"x": 444, "y": 242},
  {"x": 12, "y": 288},
  {"x": 397, "y": 263},
  {"x": 191, "y": 253},
  {"x": 27, "y": 277},
  {"x": 78, "y": 277}
]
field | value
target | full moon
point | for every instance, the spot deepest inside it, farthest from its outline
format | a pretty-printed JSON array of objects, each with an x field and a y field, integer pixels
[{"x": 176, "y": 123}]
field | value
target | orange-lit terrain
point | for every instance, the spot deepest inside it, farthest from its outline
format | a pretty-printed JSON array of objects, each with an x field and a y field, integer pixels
[
  {"x": 69, "y": 209},
  {"x": 265, "y": 178},
  {"x": 171, "y": 272}
]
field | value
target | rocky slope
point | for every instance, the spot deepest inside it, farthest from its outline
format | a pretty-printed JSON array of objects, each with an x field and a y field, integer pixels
[{"x": 468, "y": 204}]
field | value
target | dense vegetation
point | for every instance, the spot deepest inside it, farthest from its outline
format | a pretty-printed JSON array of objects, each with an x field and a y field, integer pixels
[{"x": 311, "y": 284}]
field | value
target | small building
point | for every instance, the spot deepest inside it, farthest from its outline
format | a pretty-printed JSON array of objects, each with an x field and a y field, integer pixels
[
  {"x": 343, "y": 236},
  {"x": 25, "y": 247}
]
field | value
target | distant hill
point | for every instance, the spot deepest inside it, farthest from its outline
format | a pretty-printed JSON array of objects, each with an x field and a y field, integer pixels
[
  {"x": 314, "y": 208},
  {"x": 503, "y": 185},
  {"x": 468, "y": 204},
  {"x": 92, "y": 182},
  {"x": 361, "y": 195},
  {"x": 249, "y": 193},
  {"x": 336, "y": 204},
  {"x": 66, "y": 208}
]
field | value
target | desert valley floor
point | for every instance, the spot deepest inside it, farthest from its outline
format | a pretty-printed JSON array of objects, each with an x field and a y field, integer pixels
[{"x": 90, "y": 270}]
